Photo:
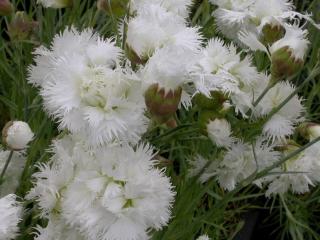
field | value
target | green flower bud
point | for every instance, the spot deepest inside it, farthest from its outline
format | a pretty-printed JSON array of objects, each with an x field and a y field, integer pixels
[
  {"x": 284, "y": 64},
  {"x": 21, "y": 27},
  {"x": 272, "y": 33},
  {"x": 162, "y": 104}
]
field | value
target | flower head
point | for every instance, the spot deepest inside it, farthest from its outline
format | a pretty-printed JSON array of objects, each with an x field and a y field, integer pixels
[
  {"x": 154, "y": 27},
  {"x": 17, "y": 134},
  {"x": 104, "y": 102},
  {"x": 104, "y": 190}
]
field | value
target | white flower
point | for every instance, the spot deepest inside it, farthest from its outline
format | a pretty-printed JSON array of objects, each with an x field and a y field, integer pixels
[
  {"x": 17, "y": 134},
  {"x": 282, "y": 123},
  {"x": 10, "y": 216},
  {"x": 242, "y": 160},
  {"x": 170, "y": 68},
  {"x": 295, "y": 39},
  {"x": 86, "y": 90},
  {"x": 203, "y": 237},
  {"x": 251, "y": 16},
  {"x": 55, "y": 3},
  {"x": 219, "y": 132},
  {"x": 118, "y": 188},
  {"x": 13, "y": 173},
  {"x": 298, "y": 173},
  {"x": 57, "y": 229},
  {"x": 179, "y": 7},
  {"x": 220, "y": 68},
  {"x": 154, "y": 27},
  {"x": 102, "y": 191},
  {"x": 201, "y": 165}
]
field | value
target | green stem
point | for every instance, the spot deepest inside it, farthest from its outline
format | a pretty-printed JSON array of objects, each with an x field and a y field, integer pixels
[
  {"x": 6, "y": 166},
  {"x": 265, "y": 91}
]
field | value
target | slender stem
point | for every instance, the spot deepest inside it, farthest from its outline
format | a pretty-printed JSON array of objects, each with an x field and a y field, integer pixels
[
  {"x": 265, "y": 91},
  {"x": 6, "y": 166}
]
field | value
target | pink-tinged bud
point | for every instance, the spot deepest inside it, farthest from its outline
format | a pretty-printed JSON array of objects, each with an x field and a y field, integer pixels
[
  {"x": 16, "y": 135},
  {"x": 284, "y": 64},
  {"x": 309, "y": 130},
  {"x": 6, "y": 8},
  {"x": 117, "y": 8},
  {"x": 21, "y": 27},
  {"x": 272, "y": 33},
  {"x": 161, "y": 104}
]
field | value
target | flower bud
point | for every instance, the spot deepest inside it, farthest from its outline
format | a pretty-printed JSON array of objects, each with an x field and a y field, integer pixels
[
  {"x": 21, "y": 27},
  {"x": 284, "y": 64},
  {"x": 6, "y": 8},
  {"x": 56, "y": 3},
  {"x": 272, "y": 33},
  {"x": 288, "y": 53},
  {"x": 161, "y": 104},
  {"x": 116, "y": 8},
  {"x": 16, "y": 135},
  {"x": 309, "y": 130}
]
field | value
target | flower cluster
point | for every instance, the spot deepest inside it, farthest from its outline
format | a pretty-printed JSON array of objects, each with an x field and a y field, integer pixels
[{"x": 103, "y": 181}]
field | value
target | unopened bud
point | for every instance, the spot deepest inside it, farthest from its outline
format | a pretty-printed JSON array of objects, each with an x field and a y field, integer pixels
[
  {"x": 16, "y": 135},
  {"x": 309, "y": 130},
  {"x": 272, "y": 33},
  {"x": 284, "y": 64},
  {"x": 6, "y": 8},
  {"x": 21, "y": 27},
  {"x": 117, "y": 8},
  {"x": 162, "y": 104}
]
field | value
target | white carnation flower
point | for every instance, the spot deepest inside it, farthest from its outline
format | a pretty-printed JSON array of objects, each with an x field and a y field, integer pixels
[
  {"x": 87, "y": 91},
  {"x": 298, "y": 173},
  {"x": 220, "y": 68},
  {"x": 118, "y": 188},
  {"x": 251, "y": 16},
  {"x": 10, "y": 216},
  {"x": 219, "y": 132},
  {"x": 282, "y": 123},
  {"x": 154, "y": 27},
  {"x": 13, "y": 173},
  {"x": 102, "y": 191},
  {"x": 295, "y": 39},
  {"x": 17, "y": 134},
  {"x": 170, "y": 68},
  {"x": 242, "y": 160}
]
